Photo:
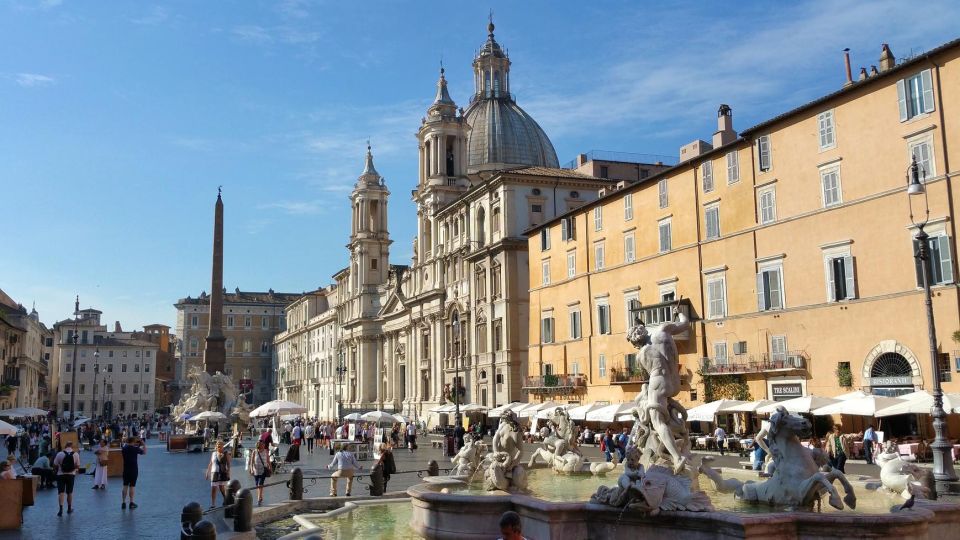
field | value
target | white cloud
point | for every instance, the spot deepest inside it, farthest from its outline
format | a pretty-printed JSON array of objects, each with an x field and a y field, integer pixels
[
  {"x": 31, "y": 80},
  {"x": 156, "y": 15},
  {"x": 252, "y": 33},
  {"x": 298, "y": 208}
]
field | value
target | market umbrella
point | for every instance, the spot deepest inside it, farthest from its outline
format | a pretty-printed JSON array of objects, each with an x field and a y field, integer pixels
[
  {"x": 444, "y": 409},
  {"x": 750, "y": 406},
  {"x": 804, "y": 404},
  {"x": 378, "y": 417},
  {"x": 277, "y": 407},
  {"x": 8, "y": 429},
  {"x": 514, "y": 406},
  {"x": 80, "y": 422},
  {"x": 920, "y": 403},
  {"x": 863, "y": 406},
  {"x": 546, "y": 413},
  {"x": 707, "y": 411},
  {"x": 851, "y": 395},
  {"x": 471, "y": 407},
  {"x": 353, "y": 417},
  {"x": 532, "y": 409},
  {"x": 609, "y": 413},
  {"x": 580, "y": 411},
  {"x": 13, "y": 413},
  {"x": 401, "y": 418},
  {"x": 210, "y": 415}
]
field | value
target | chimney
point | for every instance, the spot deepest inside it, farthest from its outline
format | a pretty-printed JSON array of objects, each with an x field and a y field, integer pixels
[
  {"x": 887, "y": 60},
  {"x": 846, "y": 64},
  {"x": 863, "y": 74},
  {"x": 873, "y": 71},
  {"x": 116, "y": 327},
  {"x": 581, "y": 159},
  {"x": 725, "y": 133}
]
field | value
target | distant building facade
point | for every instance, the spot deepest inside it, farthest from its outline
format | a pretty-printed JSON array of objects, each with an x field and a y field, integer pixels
[{"x": 24, "y": 354}]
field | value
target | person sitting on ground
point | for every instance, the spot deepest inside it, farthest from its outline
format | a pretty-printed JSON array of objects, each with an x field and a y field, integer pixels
[{"x": 511, "y": 527}]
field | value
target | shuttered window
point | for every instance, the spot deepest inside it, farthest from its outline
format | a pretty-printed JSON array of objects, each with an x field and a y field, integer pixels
[
  {"x": 764, "y": 161},
  {"x": 716, "y": 298},
  {"x": 940, "y": 262},
  {"x": 915, "y": 95},
  {"x": 629, "y": 251},
  {"x": 666, "y": 236},
  {"x": 770, "y": 289},
  {"x": 826, "y": 129},
  {"x": 603, "y": 318},
  {"x": 711, "y": 217},
  {"x": 768, "y": 206},
  {"x": 733, "y": 167},
  {"x": 664, "y": 195},
  {"x": 841, "y": 284},
  {"x": 706, "y": 171}
]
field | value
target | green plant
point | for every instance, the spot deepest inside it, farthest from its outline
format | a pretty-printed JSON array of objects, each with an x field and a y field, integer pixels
[
  {"x": 723, "y": 386},
  {"x": 956, "y": 336},
  {"x": 5, "y": 389},
  {"x": 550, "y": 380},
  {"x": 844, "y": 375}
]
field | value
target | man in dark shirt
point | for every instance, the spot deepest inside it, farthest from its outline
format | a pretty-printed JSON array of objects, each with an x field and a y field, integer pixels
[{"x": 131, "y": 451}]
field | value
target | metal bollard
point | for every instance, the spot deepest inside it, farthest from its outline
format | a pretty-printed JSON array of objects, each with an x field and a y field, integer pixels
[
  {"x": 189, "y": 516},
  {"x": 243, "y": 516},
  {"x": 295, "y": 484},
  {"x": 432, "y": 468},
  {"x": 232, "y": 488},
  {"x": 204, "y": 530},
  {"x": 376, "y": 481}
]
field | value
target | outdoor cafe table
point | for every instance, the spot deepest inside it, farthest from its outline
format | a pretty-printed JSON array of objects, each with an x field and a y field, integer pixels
[{"x": 909, "y": 449}]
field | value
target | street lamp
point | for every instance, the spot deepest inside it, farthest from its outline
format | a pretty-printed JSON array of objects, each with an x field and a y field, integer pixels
[
  {"x": 943, "y": 471},
  {"x": 341, "y": 370},
  {"x": 73, "y": 365},
  {"x": 96, "y": 371}
]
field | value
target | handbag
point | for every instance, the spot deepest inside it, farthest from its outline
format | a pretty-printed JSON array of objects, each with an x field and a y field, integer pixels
[{"x": 266, "y": 470}]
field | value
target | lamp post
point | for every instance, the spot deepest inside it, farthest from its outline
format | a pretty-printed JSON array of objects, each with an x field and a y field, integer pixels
[
  {"x": 96, "y": 371},
  {"x": 943, "y": 471},
  {"x": 341, "y": 370},
  {"x": 73, "y": 365}
]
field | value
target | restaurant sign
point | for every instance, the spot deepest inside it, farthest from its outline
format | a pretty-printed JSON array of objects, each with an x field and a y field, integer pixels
[{"x": 783, "y": 392}]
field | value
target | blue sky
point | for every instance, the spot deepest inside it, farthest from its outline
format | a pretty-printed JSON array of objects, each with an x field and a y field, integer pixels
[{"x": 118, "y": 120}]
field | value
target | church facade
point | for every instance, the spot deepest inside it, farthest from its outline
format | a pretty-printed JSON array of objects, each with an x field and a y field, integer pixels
[{"x": 450, "y": 324}]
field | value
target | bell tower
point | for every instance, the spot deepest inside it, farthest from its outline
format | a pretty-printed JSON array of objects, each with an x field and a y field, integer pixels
[
  {"x": 369, "y": 236},
  {"x": 442, "y": 139}
]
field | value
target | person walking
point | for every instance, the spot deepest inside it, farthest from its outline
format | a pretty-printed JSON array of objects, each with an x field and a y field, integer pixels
[
  {"x": 66, "y": 463},
  {"x": 623, "y": 439},
  {"x": 838, "y": 448},
  {"x": 346, "y": 463},
  {"x": 309, "y": 432},
  {"x": 259, "y": 466},
  {"x": 869, "y": 438},
  {"x": 411, "y": 436},
  {"x": 218, "y": 472},
  {"x": 721, "y": 436},
  {"x": 102, "y": 453},
  {"x": 131, "y": 452},
  {"x": 608, "y": 444},
  {"x": 387, "y": 463}
]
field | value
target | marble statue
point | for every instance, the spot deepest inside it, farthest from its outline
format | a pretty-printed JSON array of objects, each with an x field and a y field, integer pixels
[
  {"x": 657, "y": 474},
  {"x": 653, "y": 490},
  {"x": 213, "y": 393},
  {"x": 660, "y": 429},
  {"x": 560, "y": 448},
  {"x": 901, "y": 475},
  {"x": 797, "y": 481},
  {"x": 467, "y": 460},
  {"x": 504, "y": 470}
]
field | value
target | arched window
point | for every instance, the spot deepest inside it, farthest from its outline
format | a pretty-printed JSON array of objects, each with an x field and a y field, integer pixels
[
  {"x": 891, "y": 375},
  {"x": 481, "y": 226},
  {"x": 496, "y": 83},
  {"x": 486, "y": 83}
]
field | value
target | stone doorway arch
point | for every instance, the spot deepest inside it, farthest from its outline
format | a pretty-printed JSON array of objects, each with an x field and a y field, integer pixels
[{"x": 891, "y": 369}]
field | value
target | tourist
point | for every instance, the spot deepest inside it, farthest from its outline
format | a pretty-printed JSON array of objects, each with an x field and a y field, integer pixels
[
  {"x": 42, "y": 468},
  {"x": 259, "y": 466},
  {"x": 623, "y": 440},
  {"x": 346, "y": 463},
  {"x": 607, "y": 444},
  {"x": 66, "y": 463},
  {"x": 131, "y": 452},
  {"x": 411, "y": 436},
  {"x": 869, "y": 438},
  {"x": 387, "y": 463},
  {"x": 838, "y": 448},
  {"x": 102, "y": 454},
  {"x": 721, "y": 436},
  {"x": 309, "y": 432},
  {"x": 218, "y": 472},
  {"x": 297, "y": 434},
  {"x": 458, "y": 433},
  {"x": 510, "y": 526},
  {"x": 6, "y": 471}
]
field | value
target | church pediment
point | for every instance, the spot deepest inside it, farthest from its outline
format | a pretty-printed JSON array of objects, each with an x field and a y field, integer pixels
[{"x": 395, "y": 303}]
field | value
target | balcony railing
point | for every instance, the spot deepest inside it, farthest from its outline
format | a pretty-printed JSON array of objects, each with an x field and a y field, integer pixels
[
  {"x": 555, "y": 384},
  {"x": 764, "y": 363},
  {"x": 627, "y": 376}
]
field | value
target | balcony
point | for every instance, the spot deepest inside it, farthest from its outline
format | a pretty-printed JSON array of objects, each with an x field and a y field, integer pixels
[
  {"x": 555, "y": 384},
  {"x": 764, "y": 363},
  {"x": 628, "y": 376}
]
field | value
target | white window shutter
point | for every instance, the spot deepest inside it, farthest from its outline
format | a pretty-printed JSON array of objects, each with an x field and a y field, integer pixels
[
  {"x": 917, "y": 263},
  {"x": 851, "y": 284},
  {"x": 902, "y": 99},
  {"x": 946, "y": 260},
  {"x": 775, "y": 289},
  {"x": 831, "y": 281},
  {"x": 761, "y": 304},
  {"x": 927, "y": 81}
]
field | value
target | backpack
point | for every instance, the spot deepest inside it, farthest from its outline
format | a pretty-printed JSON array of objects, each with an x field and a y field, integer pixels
[
  {"x": 68, "y": 465},
  {"x": 603, "y": 444}
]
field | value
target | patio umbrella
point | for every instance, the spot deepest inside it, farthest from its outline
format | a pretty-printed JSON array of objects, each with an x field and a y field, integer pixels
[
  {"x": 851, "y": 395},
  {"x": 472, "y": 407},
  {"x": 497, "y": 411},
  {"x": 707, "y": 411},
  {"x": 750, "y": 406},
  {"x": 277, "y": 406},
  {"x": 8, "y": 429},
  {"x": 209, "y": 415},
  {"x": 920, "y": 403},
  {"x": 863, "y": 406},
  {"x": 13, "y": 413},
  {"x": 401, "y": 418},
  {"x": 80, "y": 422},
  {"x": 444, "y": 409},
  {"x": 547, "y": 412},
  {"x": 378, "y": 417},
  {"x": 580, "y": 411},
  {"x": 353, "y": 417},
  {"x": 532, "y": 410},
  {"x": 609, "y": 413},
  {"x": 798, "y": 405}
]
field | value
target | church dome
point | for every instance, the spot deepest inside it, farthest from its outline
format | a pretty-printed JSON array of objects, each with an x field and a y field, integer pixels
[{"x": 501, "y": 133}]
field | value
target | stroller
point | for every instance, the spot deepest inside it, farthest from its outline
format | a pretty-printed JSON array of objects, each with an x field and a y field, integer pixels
[{"x": 277, "y": 463}]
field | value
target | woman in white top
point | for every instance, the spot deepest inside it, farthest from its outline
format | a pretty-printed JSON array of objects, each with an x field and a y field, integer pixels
[
  {"x": 103, "y": 458},
  {"x": 218, "y": 472}
]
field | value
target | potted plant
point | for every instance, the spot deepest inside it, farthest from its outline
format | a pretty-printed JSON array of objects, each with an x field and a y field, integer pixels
[{"x": 844, "y": 375}]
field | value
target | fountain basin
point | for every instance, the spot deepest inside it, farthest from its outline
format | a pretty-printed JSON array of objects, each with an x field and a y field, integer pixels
[{"x": 445, "y": 511}]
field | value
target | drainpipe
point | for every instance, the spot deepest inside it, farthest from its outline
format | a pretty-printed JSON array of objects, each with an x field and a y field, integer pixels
[{"x": 946, "y": 167}]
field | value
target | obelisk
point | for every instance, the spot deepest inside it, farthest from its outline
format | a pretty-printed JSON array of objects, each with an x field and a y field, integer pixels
[{"x": 215, "y": 353}]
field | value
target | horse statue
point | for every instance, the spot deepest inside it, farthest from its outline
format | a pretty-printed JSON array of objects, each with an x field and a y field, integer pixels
[
  {"x": 797, "y": 481},
  {"x": 560, "y": 447}
]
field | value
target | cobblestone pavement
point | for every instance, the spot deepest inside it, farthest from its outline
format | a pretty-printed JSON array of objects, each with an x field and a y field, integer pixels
[{"x": 168, "y": 481}]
